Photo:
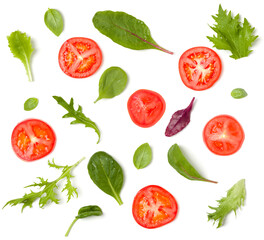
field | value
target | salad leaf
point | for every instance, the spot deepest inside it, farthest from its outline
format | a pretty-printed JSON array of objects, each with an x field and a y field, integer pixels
[
  {"x": 182, "y": 166},
  {"x": 142, "y": 156},
  {"x": 232, "y": 35},
  {"x": 107, "y": 174},
  {"x": 112, "y": 83},
  {"x": 30, "y": 104},
  {"x": 179, "y": 120},
  {"x": 87, "y": 211},
  {"x": 48, "y": 193},
  {"x": 21, "y": 47},
  {"x": 78, "y": 115},
  {"x": 54, "y": 21},
  {"x": 238, "y": 93},
  {"x": 125, "y": 30},
  {"x": 234, "y": 199}
]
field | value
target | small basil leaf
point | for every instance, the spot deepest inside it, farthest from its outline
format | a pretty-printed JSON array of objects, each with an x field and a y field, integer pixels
[
  {"x": 112, "y": 83},
  {"x": 30, "y": 104},
  {"x": 91, "y": 210},
  {"x": 107, "y": 174},
  {"x": 142, "y": 156},
  {"x": 179, "y": 120},
  {"x": 182, "y": 166},
  {"x": 54, "y": 21},
  {"x": 238, "y": 93}
]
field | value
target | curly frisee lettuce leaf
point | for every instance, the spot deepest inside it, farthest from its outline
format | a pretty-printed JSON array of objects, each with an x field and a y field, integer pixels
[
  {"x": 234, "y": 199},
  {"x": 48, "y": 193},
  {"x": 232, "y": 35},
  {"x": 20, "y": 45}
]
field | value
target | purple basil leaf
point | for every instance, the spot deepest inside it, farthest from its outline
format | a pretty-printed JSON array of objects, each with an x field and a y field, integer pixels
[{"x": 179, "y": 120}]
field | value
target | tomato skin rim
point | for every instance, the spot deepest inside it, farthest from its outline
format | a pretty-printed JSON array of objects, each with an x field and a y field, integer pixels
[
  {"x": 61, "y": 59},
  {"x": 17, "y": 150},
  {"x": 141, "y": 192},
  {"x": 228, "y": 117},
  {"x": 134, "y": 119},
  {"x": 182, "y": 72}
]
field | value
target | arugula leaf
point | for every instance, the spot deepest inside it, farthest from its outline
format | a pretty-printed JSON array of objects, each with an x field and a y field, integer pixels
[
  {"x": 235, "y": 198},
  {"x": 48, "y": 194},
  {"x": 232, "y": 35},
  {"x": 125, "y": 30},
  {"x": 20, "y": 45},
  {"x": 84, "y": 212},
  {"x": 182, "y": 166},
  {"x": 54, "y": 21},
  {"x": 78, "y": 115}
]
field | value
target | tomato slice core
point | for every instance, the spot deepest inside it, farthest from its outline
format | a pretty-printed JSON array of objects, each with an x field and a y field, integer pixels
[
  {"x": 146, "y": 107},
  {"x": 80, "y": 57},
  {"x": 32, "y": 139},
  {"x": 154, "y": 207},
  {"x": 200, "y": 68},
  {"x": 223, "y": 135}
]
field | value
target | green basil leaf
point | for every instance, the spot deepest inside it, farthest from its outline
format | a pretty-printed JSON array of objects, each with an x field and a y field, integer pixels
[
  {"x": 91, "y": 210},
  {"x": 30, "y": 104},
  {"x": 125, "y": 30},
  {"x": 182, "y": 166},
  {"x": 54, "y": 21},
  {"x": 238, "y": 93},
  {"x": 107, "y": 174},
  {"x": 112, "y": 83},
  {"x": 142, "y": 156}
]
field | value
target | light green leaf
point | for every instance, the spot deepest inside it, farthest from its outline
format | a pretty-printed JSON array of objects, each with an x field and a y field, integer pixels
[
  {"x": 142, "y": 156},
  {"x": 30, "y": 104},
  {"x": 54, "y": 21},
  {"x": 238, "y": 93}
]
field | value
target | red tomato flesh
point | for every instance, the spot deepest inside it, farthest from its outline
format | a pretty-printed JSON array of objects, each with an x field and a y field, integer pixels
[
  {"x": 154, "y": 207},
  {"x": 33, "y": 139},
  {"x": 146, "y": 107},
  {"x": 200, "y": 68},
  {"x": 80, "y": 57},
  {"x": 223, "y": 135}
]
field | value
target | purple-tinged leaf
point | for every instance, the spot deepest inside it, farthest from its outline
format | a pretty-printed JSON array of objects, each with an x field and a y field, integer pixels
[{"x": 179, "y": 120}]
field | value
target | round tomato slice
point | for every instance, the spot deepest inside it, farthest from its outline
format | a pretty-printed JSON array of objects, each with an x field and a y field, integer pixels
[
  {"x": 80, "y": 57},
  {"x": 154, "y": 207},
  {"x": 33, "y": 139},
  {"x": 146, "y": 107},
  {"x": 223, "y": 135},
  {"x": 200, "y": 68}
]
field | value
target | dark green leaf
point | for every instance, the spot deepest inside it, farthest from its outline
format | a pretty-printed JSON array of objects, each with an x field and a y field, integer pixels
[
  {"x": 238, "y": 93},
  {"x": 54, "y": 21},
  {"x": 91, "y": 210},
  {"x": 30, "y": 104},
  {"x": 112, "y": 83},
  {"x": 181, "y": 165},
  {"x": 142, "y": 156},
  {"x": 107, "y": 174},
  {"x": 125, "y": 30}
]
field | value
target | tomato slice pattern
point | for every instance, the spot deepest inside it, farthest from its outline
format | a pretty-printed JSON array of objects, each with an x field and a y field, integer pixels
[
  {"x": 200, "y": 68},
  {"x": 223, "y": 135},
  {"x": 154, "y": 207},
  {"x": 33, "y": 139},
  {"x": 80, "y": 57}
]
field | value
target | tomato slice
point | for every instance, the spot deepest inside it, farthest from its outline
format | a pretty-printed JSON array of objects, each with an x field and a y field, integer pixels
[
  {"x": 200, "y": 68},
  {"x": 154, "y": 207},
  {"x": 223, "y": 135},
  {"x": 32, "y": 139},
  {"x": 146, "y": 107},
  {"x": 80, "y": 57}
]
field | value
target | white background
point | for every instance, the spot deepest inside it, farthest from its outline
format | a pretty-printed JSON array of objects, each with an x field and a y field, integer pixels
[{"x": 176, "y": 26}]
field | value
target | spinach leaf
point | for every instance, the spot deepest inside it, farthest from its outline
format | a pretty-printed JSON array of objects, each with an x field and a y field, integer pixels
[
  {"x": 238, "y": 93},
  {"x": 107, "y": 174},
  {"x": 86, "y": 211},
  {"x": 112, "y": 83},
  {"x": 54, "y": 21},
  {"x": 125, "y": 30},
  {"x": 142, "y": 156},
  {"x": 179, "y": 120},
  {"x": 30, "y": 104},
  {"x": 182, "y": 166}
]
